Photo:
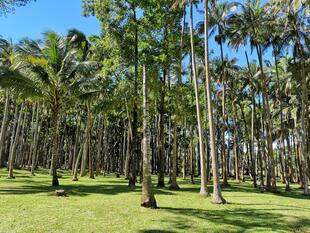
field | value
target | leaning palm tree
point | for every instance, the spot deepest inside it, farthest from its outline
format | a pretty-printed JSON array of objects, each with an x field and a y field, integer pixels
[
  {"x": 203, "y": 185},
  {"x": 219, "y": 15},
  {"x": 50, "y": 71},
  {"x": 7, "y": 61}
]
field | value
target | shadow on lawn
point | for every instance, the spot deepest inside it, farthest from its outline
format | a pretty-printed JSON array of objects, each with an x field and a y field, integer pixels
[
  {"x": 76, "y": 188},
  {"x": 240, "y": 219},
  {"x": 156, "y": 231}
]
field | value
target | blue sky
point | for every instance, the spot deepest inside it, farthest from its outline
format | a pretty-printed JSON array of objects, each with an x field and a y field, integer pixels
[
  {"x": 42, "y": 15},
  {"x": 61, "y": 15}
]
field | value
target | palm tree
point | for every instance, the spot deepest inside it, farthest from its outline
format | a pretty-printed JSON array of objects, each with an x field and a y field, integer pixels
[
  {"x": 296, "y": 31},
  {"x": 49, "y": 71},
  {"x": 230, "y": 68},
  {"x": 8, "y": 60},
  {"x": 174, "y": 185},
  {"x": 219, "y": 15},
  {"x": 217, "y": 196},
  {"x": 203, "y": 186},
  {"x": 147, "y": 199},
  {"x": 247, "y": 24}
]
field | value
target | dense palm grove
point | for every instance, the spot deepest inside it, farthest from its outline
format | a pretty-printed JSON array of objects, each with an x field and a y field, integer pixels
[{"x": 147, "y": 97}]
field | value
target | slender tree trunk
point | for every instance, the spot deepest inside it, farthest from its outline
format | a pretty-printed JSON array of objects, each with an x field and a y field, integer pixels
[
  {"x": 35, "y": 142},
  {"x": 99, "y": 145},
  {"x": 161, "y": 150},
  {"x": 55, "y": 155},
  {"x": 147, "y": 198},
  {"x": 203, "y": 186},
  {"x": 134, "y": 144},
  {"x": 4, "y": 125},
  {"x": 217, "y": 196},
  {"x": 304, "y": 118},
  {"x": 266, "y": 108},
  {"x": 14, "y": 143},
  {"x": 174, "y": 185}
]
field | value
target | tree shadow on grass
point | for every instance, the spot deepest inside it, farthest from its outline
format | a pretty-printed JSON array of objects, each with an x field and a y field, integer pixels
[
  {"x": 156, "y": 231},
  {"x": 237, "y": 220},
  {"x": 75, "y": 189}
]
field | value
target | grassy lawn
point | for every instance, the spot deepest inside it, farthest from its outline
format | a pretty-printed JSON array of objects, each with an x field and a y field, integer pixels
[{"x": 106, "y": 204}]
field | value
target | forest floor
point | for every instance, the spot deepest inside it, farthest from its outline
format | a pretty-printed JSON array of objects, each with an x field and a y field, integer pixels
[{"x": 106, "y": 204}]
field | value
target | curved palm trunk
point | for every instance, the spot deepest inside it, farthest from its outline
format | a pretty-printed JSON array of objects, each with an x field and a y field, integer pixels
[
  {"x": 15, "y": 142},
  {"x": 76, "y": 167},
  {"x": 4, "y": 125},
  {"x": 203, "y": 185},
  {"x": 217, "y": 196},
  {"x": 85, "y": 146}
]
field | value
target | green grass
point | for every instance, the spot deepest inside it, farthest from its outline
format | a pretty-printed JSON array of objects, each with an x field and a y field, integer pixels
[{"x": 106, "y": 204}]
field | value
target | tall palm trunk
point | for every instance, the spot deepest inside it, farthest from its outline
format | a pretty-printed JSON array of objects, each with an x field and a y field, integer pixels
[
  {"x": 304, "y": 118},
  {"x": 134, "y": 144},
  {"x": 174, "y": 185},
  {"x": 161, "y": 150},
  {"x": 253, "y": 120},
  {"x": 147, "y": 198},
  {"x": 266, "y": 108},
  {"x": 203, "y": 185},
  {"x": 35, "y": 141},
  {"x": 99, "y": 145},
  {"x": 217, "y": 196},
  {"x": 15, "y": 142},
  {"x": 235, "y": 146},
  {"x": 253, "y": 159},
  {"x": 4, "y": 125},
  {"x": 55, "y": 156},
  {"x": 282, "y": 146},
  {"x": 224, "y": 159},
  {"x": 85, "y": 146}
]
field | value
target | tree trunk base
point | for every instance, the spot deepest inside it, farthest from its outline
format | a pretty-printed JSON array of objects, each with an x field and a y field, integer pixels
[
  {"x": 218, "y": 200},
  {"x": 11, "y": 177},
  {"x": 272, "y": 190},
  {"x": 75, "y": 179},
  {"x": 149, "y": 203},
  {"x": 160, "y": 184},
  {"x": 174, "y": 186},
  {"x": 204, "y": 193},
  {"x": 225, "y": 184},
  {"x": 55, "y": 182}
]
